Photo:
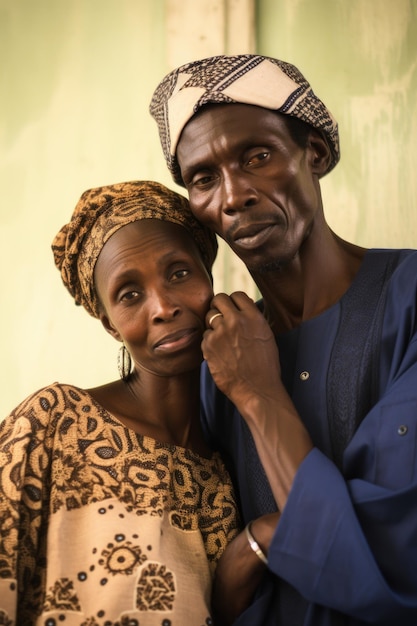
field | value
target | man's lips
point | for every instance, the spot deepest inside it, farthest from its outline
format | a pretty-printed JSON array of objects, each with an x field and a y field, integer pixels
[
  {"x": 175, "y": 341},
  {"x": 252, "y": 236}
]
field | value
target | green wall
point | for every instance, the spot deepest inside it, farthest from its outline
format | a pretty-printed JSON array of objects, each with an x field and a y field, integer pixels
[
  {"x": 75, "y": 83},
  {"x": 361, "y": 58}
]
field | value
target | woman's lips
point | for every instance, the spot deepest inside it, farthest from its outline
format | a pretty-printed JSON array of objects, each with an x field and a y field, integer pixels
[{"x": 176, "y": 341}]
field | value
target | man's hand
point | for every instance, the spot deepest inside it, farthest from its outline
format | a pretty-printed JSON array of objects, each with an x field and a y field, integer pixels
[
  {"x": 243, "y": 359},
  {"x": 240, "y": 349},
  {"x": 240, "y": 571}
]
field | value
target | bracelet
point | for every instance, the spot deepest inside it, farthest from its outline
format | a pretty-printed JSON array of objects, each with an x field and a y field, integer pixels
[{"x": 254, "y": 544}]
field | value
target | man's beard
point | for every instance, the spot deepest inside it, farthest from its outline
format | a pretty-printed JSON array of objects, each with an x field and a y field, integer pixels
[{"x": 275, "y": 265}]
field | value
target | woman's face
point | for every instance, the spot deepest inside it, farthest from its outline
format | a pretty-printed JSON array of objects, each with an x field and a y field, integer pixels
[{"x": 155, "y": 292}]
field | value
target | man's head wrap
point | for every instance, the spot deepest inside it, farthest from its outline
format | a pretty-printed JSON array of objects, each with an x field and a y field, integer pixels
[
  {"x": 100, "y": 212},
  {"x": 245, "y": 79}
]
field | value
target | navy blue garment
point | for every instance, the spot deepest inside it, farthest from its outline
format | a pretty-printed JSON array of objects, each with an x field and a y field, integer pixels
[{"x": 345, "y": 549}]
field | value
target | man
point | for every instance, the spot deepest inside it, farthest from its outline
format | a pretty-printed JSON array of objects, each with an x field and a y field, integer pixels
[{"x": 323, "y": 444}]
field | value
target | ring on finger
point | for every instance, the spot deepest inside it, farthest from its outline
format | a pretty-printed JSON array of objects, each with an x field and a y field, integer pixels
[{"x": 213, "y": 317}]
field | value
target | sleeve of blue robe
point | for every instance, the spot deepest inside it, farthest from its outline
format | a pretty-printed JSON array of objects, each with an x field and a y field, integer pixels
[{"x": 349, "y": 542}]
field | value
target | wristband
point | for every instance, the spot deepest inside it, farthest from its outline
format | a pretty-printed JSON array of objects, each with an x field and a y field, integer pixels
[{"x": 254, "y": 545}]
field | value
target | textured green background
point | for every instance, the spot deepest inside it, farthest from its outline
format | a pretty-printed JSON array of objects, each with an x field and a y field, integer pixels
[{"x": 76, "y": 79}]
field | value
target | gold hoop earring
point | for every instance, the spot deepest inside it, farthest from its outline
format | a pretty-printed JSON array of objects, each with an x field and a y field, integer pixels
[{"x": 124, "y": 362}]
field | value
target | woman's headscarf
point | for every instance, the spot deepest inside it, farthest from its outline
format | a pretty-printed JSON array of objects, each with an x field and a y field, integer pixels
[{"x": 100, "y": 212}]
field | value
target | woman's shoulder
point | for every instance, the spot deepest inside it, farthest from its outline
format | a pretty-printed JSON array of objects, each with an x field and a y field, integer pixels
[
  {"x": 52, "y": 395},
  {"x": 50, "y": 401}
]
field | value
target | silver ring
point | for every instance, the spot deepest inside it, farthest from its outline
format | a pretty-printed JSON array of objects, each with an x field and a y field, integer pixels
[{"x": 214, "y": 317}]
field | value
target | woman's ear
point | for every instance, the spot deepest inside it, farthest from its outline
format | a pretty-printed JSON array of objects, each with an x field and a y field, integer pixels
[
  {"x": 320, "y": 154},
  {"x": 109, "y": 327}
]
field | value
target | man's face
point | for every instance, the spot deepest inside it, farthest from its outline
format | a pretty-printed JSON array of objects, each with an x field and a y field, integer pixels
[{"x": 250, "y": 182}]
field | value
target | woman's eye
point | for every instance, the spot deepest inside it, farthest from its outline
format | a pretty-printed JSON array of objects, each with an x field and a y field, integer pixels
[
  {"x": 128, "y": 296},
  {"x": 180, "y": 274}
]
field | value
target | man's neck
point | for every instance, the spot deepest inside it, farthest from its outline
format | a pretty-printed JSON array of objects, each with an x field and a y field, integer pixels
[{"x": 309, "y": 284}]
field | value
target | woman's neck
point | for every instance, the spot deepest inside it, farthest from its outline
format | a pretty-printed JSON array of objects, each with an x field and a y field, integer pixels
[{"x": 164, "y": 408}]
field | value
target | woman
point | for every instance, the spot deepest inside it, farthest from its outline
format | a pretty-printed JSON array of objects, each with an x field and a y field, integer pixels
[{"x": 113, "y": 510}]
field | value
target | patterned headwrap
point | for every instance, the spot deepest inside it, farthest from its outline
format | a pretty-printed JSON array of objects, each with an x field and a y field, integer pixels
[
  {"x": 245, "y": 79},
  {"x": 100, "y": 212}
]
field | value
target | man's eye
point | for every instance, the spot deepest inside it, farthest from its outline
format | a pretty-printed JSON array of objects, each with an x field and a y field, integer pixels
[
  {"x": 258, "y": 157},
  {"x": 201, "y": 179}
]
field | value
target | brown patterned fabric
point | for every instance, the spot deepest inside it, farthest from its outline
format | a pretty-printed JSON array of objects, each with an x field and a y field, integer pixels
[
  {"x": 100, "y": 525},
  {"x": 246, "y": 79},
  {"x": 100, "y": 212}
]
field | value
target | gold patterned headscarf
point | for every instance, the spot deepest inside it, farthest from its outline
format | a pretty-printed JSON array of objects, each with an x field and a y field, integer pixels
[
  {"x": 100, "y": 212},
  {"x": 245, "y": 79}
]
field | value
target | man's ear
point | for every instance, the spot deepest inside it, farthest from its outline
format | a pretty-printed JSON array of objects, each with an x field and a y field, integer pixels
[
  {"x": 109, "y": 327},
  {"x": 320, "y": 153}
]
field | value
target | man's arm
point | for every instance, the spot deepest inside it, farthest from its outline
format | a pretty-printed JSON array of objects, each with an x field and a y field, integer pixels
[
  {"x": 243, "y": 360},
  {"x": 240, "y": 571}
]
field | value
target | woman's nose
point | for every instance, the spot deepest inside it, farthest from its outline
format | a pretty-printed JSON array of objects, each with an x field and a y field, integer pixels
[{"x": 164, "y": 306}]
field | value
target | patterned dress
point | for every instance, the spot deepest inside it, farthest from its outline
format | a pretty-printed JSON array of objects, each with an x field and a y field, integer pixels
[{"x": 101, "y": 526}]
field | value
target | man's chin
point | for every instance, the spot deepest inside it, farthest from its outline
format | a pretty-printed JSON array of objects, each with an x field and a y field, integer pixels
[
  {"x": 265, "y": 267},
  {"x": 261, "y": 263}
]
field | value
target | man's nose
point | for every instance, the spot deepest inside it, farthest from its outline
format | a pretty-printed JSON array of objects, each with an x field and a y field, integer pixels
[{"x": 238, "y": 193}]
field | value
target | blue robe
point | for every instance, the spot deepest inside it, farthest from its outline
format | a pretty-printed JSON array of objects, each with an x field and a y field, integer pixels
[{"x": 345, "y": 549}]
